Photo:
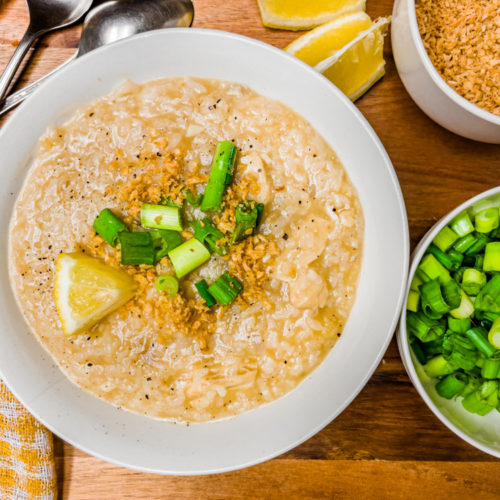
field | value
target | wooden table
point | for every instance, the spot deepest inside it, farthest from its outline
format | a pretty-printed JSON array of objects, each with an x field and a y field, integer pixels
[{"x": 387, "y": 443}]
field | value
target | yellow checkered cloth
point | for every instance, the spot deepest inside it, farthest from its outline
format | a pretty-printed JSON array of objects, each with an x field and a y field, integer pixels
[{"x": 27, "y": 469}]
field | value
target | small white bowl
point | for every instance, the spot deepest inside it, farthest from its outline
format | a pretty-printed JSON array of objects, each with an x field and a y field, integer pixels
[
  {"x": 150, "y": 445},
  {"x": 429, "y": 91},
  {"x": 481, "y": 432}
]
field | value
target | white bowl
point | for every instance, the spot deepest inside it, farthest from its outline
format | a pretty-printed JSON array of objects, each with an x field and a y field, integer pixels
[
  {"x": 158, "y": 446},
  {"x": 481, "y": 432},
  {"x": 424, "y": 84}
]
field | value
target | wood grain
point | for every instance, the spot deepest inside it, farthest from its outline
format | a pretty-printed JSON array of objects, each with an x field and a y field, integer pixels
[{"x": 387, "y": 443}]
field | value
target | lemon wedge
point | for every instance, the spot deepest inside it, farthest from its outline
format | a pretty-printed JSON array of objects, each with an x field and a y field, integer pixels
[
  {"x": 87, "y": 289},
  {"x": 360, "y": 63},
  {"x": 304, "y": 14},
  {"x": 324, "y": 41}
]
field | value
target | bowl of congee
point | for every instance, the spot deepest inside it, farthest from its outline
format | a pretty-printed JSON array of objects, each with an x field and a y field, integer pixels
[{"x": 206, "y": 252}]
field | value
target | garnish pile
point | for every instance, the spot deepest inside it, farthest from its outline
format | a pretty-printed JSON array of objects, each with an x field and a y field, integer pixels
[
  {"x": 453, "y": 307},
  {"x": 155, "y": 243}
]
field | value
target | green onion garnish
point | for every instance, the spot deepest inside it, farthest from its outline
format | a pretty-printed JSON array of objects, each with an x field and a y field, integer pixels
[
  {"x": 161, "y": 217},
  {"x": 477, "y": 336},
  {"x": 492, "y": 256},
  {"x": 109, "y": 226},
  {"x": 472, "y": 281},
  {"x": 433, "y": 302},
  {"x": 438, "y": 367},
  {"x": 247, "y": 215},
  {"x": 451, "y": 385},
  {"x": 445, "y": 239},
  {"x": 413, "y": 300},
  {"x": 164, "y": 241},
  {"x": 207, "y": 233},
  {"x": 194, "y": 200},
  {"x": 488, "y": 298},
  {"x": 486, "y": 220},
  {"x": 464, "y": 243},
  {"x": 202, "y": 288},
  {"x": 220, "y": 176},
  {"x": 424, "y": 328},
  {"x": 168, "y": 284},
  {"x": 432, "y": 269},
  {"x": 136, "y": 249},
  {"x": 225, "y": 289},
  {"x": 462, "y": 225},
  {"x": 188, "y": 256},
  {"x": 494, "y": 334}
]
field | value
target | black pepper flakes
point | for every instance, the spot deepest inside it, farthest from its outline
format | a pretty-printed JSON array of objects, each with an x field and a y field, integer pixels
[{"x": 285, "y": 236}]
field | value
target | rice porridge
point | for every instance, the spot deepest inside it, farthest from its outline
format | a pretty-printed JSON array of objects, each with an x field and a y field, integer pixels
[{"x": 173, "y": 356}]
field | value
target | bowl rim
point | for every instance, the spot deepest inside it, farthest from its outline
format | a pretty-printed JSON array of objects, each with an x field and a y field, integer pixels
[
  {"x": 404, "y": 252},
  {"x": 402, "y": 334},
  {"x": 436, "y": 77}
]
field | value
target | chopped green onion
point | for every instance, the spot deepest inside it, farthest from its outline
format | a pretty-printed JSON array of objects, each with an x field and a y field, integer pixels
[
  {"x": 492, "y": 257},
  {"x": 477, "y": 336},
  {"x": 413, "y": 301},
  {"x": 462, "y": 225},
  {"x": 109, "y": 226},
  {"x": 450, "y": 262},
  {"x": 451, "y": 294},
  {"x": 451, "y": 385},
  {"x": 488, "y": 298},
  {"x": 486, "y": 220},
  {"x": 464, "y": 243},
  {"x": 474, "y": 404},
  {"x": 418, "y": 351},
  {"x": 168, "y": 284},
  {"x": 479, "y": 261},
  {"x": 458, "y": 325},
  {"x": 207, "y": 233},
  {"x": 422, "y": 327},
  {"x": 472, "y": 281},
  {"x": 202, "y": 288},
  {"x": 220, "y": 176},
  {"x": 490, "y": 368},
  {"x": 465, "y": 309},
  {"x": 478, "y": 245},
  {"x": 194, "y": 200},
  {"x": 459, "y": 351},
  {"x": 438, "y": 367},
  {"x": 161, "y": 217},
  {"x": 445, "y": 239},
  {"x": 433, "y": 269},
  {"x": 247, "y": 215},
  {"x": 433, "y": 303},
  {"x": 164, "y": 241},
  {"x": 225, "y": 289},
  {"x": 136, "y": 249},
  {"x": 188, "y": 256},
  {"x": 416, "y": 282},
  {"x": 494, "y": 334}
]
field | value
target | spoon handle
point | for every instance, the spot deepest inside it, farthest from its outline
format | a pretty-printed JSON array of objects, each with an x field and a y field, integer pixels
[
  {"x": 11, "y": 68},
  {"x": 19, "y": 96}
]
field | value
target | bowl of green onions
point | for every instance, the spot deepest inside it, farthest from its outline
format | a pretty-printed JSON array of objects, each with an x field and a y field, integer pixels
[{"x": 449, "y": 334}]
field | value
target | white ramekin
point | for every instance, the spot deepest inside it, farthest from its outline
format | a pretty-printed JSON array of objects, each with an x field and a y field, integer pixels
[
  {"x": 480, "y": 432},
  {"x": 429, "y": 91}
]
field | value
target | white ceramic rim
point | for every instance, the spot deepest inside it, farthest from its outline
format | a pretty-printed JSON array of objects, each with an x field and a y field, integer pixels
[
  {"x": 397, "y": 309},
  {"x": 402, "y": 335},
  {"x": 436, "y": 77}
]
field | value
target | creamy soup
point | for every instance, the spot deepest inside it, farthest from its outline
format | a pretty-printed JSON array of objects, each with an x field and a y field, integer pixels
[{"x": 174, "y": 357}]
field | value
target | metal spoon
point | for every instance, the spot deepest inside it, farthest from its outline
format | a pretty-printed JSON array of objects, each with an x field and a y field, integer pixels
[
  {"x": 112, "y": 21},
  {"x": 45, "y": 15}
]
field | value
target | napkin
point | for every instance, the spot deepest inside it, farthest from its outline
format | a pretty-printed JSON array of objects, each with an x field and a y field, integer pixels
[{"x": 27, "y": 469}]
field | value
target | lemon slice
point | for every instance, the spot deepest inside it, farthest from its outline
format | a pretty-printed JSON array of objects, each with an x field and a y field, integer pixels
[
  {"x": 324, "y": 41},
  {"x": 360, "y": 63},
  {"x": 304, "y": 14},
  {"x": 87, "y": 289}
]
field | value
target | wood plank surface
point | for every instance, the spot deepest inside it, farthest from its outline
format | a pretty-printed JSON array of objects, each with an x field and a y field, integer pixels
[{"x": 387, "y": 443}]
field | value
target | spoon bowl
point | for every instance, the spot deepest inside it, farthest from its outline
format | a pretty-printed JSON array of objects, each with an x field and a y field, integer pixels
[
  {"x": 112, "y": 21},
  {"x": 45, "y": 16}
]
